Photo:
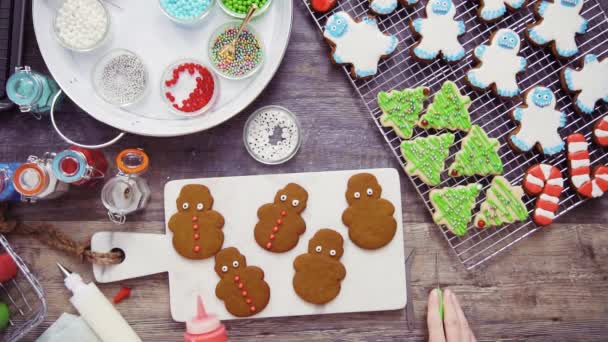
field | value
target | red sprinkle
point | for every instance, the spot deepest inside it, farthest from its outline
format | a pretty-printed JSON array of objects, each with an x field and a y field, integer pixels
[
  {"x": 272, "y": 236},
  {"x": 269, "y": 245},
  {"x": 123, "y": 294},
  {"x": 196, "y": 236},
  {"x": 248, "y": 301},
  {"x": 241, "y": 285},
  {"x": 283, "y": 213},
  {"x": 194, "y": 218},
  {"x": 454, "y": 173},
  {"x": 244, "y": 293},
  {"x": 197, "y": 249},
  {"x": 279, "y": 222},
  {"x": 275, "y": 229},
  {"x": 481, "y": 223},
  {"x": 252, "y": 308}
]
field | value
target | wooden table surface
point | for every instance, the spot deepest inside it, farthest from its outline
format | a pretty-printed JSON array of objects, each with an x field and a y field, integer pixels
[{"x": 550, "y": 287}]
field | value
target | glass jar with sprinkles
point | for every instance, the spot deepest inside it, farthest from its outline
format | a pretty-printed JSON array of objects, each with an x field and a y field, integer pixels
[
  {"x": 186, "y": 12},
  {"x": 272, "y": 135},
  {"x": 189, "y": 88},
  {"x": 81, "y": 25},
  {"x": 249, "y": 55},
  {"x": 239, "y": 8},
  {"x": 120, "y": 78}
]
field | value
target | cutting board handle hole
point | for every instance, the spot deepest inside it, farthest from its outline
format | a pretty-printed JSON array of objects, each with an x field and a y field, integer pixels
[{"x": 121, "y": 252}]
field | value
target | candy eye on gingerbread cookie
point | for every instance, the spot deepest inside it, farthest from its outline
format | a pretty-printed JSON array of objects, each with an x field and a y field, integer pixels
[
  {"x": 369, "y": 219},
  {"x": 242, "y": 288},
  {"x": 197, "y": 234},
  {"x": 280, "y": 223}
]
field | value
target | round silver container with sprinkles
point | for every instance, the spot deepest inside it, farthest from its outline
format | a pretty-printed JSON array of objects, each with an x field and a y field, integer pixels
[
  {"x": 272, "y": 135},
  {"x": 120, "y": 78}
]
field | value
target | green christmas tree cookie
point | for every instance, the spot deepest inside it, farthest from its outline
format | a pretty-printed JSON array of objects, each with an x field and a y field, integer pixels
[
  {"x": 449, "y": 110},
  {"x": 453, "y": 206},
  {"x": 478, "y": 155},
  {"x": 401, "y": 109},
  {"x": 503, "y": 204},
  {"x": 425, "y": 157}
]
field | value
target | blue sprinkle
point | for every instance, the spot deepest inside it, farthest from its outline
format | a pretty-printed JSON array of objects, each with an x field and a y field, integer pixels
[{"x": 185, "y": 10}]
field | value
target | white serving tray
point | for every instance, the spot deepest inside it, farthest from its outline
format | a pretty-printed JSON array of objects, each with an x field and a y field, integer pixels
[
  {"x": 375, "y": 280},
  {"x": 140, "y": 26}
]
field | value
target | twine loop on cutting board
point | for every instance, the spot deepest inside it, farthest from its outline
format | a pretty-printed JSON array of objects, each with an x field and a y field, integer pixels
[{"x": 50, "y": 236}]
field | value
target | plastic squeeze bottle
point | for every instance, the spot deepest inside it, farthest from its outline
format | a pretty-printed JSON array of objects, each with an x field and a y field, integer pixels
[
  {"x": 107, "y": 323},
  {"x": 204, "y": 327}
]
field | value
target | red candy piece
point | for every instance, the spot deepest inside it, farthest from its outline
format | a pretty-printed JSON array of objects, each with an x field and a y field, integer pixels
[
  {"x": 275, "y": 229},
  {"x": 248, "y": 301},
  {"x": 279, "y": 222},
  {"x": 8, "y": 268},
  {"x": 195, "y": 226},
  {"x": 272, "y": 236},
  {"x": 323, "y": 6},
  {"x": 123, "y": 294},
  {"x": 197, "y": 249},
  {"x": 196, "y": 236},
  {"x": 252, "y": 308},
  {"x": 481, "y": 223},
  {"x": 244, "y": 293},
  {"x": 241, "y": 285},
  {"x": 283, "y": 213},
  {"x": 237, "y": 278},
  {"x": 454, "y": 173},
  {"x": 269, "y": 245},
  {"x": 194, "y": 218}
]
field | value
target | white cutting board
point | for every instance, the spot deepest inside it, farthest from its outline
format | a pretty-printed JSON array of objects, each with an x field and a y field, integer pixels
[{"x": 375, "y": 280}]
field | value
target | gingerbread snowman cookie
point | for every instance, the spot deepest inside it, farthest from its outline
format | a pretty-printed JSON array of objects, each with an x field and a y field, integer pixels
[
  {"x": 280, "y": 223},
  {"x": 241, "y": 287},
  {"x": 369, "y": 218},
  {"x": 197, "y": 228},
  {"x": 319, "y": 273}
]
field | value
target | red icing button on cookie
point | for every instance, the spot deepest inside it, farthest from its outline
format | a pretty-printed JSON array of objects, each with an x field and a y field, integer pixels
[
  {"x": 454, "y": 173},
  {"x": 237, "y": 278},
  {"x": 248, "y": 301},
  {"x": 269, "y": 245},
  {"x": 272, "y": 236},
  {"x": 275, "y": 229},
  {"x": 252, "y": 308},
  {"x": 195, "y": 226},
  {"x": 196, "y": 236},
  {"x": 197, "y": 249},
  {"x": 481, "y": 223},
  {"x": 244, "y": 293},
  {"x": 279, "y": 222},
  {"x": 241, "y": 285},
  {"x": 194, "y": 219},
  {"x": 283, "y": 213}
]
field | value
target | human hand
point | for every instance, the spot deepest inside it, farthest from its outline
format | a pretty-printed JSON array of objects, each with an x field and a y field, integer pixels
[{"x": 454, "y": 327}]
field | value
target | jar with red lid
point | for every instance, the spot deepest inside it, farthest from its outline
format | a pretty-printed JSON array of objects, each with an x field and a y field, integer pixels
[
  {"x": 35, "y": 179},
  {"x": 80, "y": 166},
  {"x": 128, "y": 191}
]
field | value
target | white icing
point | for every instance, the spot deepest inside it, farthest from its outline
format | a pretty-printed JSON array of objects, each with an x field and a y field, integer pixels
[
  {"x": 495, "y": 6},
  {"x": 540, "y": 124},
  {"x": 549, "y": 198},
  {"x": 600, "y": 133},
  {"x": 556, "y": 181},
  {"x": 545, "y": 213},
  {"x": 383, "y": 6},
  {"x": 579, "y": 163},
  {"x": 546, "y": 169},
  {"x": 579, "y": 180},
  {"x": 362, "y": 45},
  {"x": 577, "y": 146},
  {"x": 439, "y": 32},
  {"x": 499, "y": 66},
  {"x": 596, "y": 191},
  {"x": 591, "y": 81},
  {"x": 534, "y": 180},
  {"x": 560, "y": 24},
  {"x": 602, "y": 176}
]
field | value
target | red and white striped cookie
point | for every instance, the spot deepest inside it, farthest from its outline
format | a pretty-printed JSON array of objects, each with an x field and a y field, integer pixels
[
  {"x": 600, "y": 132},
  {"x": 546, "y": 182},
  {"x": 580, "y": 169}
]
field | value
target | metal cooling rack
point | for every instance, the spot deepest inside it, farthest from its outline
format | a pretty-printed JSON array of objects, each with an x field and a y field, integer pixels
[
  {"x": 401, "y": 71},
  {"x": 25, "y": 299}
]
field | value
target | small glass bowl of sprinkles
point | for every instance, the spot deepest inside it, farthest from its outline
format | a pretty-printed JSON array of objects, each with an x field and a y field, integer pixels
[
  {"x": 189, "y": 88},
  {"x": 272, "y": 135},
  {"x": 239, "y": 8},
  {"x": 249, "y": 55},
  {"x": 81, "y": 25},
  {"x": 120, "y": 78},
  {"x": 186, "y": 12}
]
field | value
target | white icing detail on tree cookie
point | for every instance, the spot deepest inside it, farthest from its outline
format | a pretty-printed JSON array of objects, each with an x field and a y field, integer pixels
[
  {"x": 499, "y": 64},
  {"x": 439, "y": 32},
  {"x": 591, "y": 81},
  {"x": 539, "y": 123},
  {"x": 559, "y": 25},
  {"x": 361, "y": 44}
]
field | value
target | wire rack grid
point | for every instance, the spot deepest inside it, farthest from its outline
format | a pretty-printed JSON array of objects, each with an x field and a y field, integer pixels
[
  {"x": 25, "y": 298},
  {"x": 400, "y": 71}
]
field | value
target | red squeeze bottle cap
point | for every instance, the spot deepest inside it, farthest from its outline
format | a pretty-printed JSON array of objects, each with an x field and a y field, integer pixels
[{"x": 203, "y": 323}]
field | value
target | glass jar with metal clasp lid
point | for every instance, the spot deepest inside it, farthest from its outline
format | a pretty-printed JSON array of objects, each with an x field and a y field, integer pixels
[
  {"x": 31, "y": 91},
  {"x": 35, "y": 179},
  {"x": 8, "y": 193},
  {"x": 127, "y": 192},
  {"x": 80, "y": 166}
]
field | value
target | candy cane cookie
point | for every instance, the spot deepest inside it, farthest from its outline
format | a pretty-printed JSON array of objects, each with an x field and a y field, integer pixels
[
  {"x": 546, "y": 182},
  {"x": 580, "y": 169},
  {"x": 600, "y": 132}
]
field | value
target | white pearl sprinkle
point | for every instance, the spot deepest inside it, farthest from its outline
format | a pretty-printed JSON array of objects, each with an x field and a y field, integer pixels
[{"x": 81, "y": 24}]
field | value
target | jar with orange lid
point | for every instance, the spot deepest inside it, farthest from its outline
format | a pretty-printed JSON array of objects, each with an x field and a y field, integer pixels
[
  {"x": 35, "y": 179},
  {"x": 128, "y": 191}
]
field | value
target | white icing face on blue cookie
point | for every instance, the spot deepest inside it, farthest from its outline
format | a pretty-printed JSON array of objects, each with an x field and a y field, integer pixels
[{"x": 361, "y": 44}]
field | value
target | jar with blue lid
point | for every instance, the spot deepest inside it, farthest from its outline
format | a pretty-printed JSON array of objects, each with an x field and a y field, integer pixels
[
  {"x": 79, "y": 166},
  {"x": 8, "y": 193},
  {"x": 31, "y": 91}
]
